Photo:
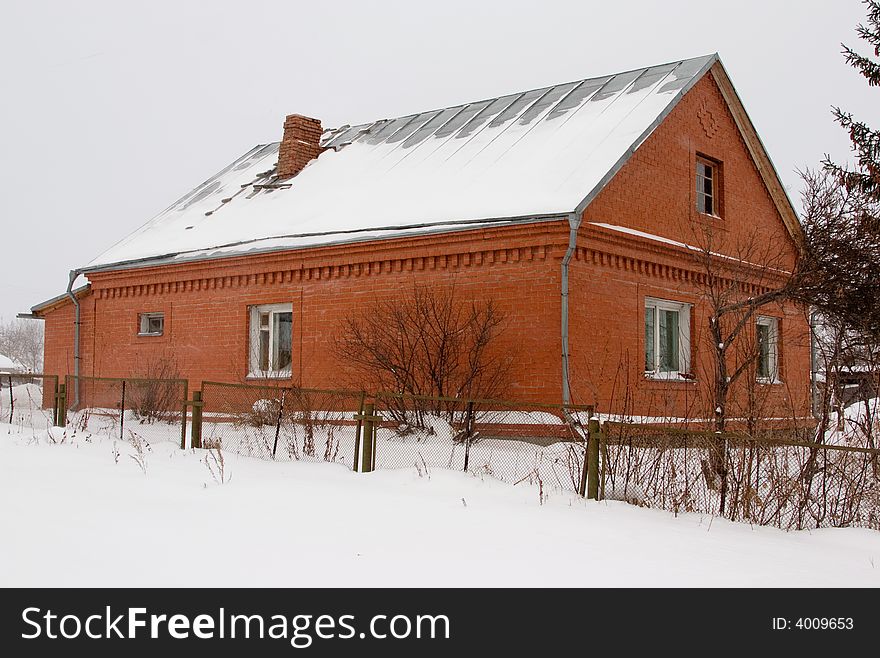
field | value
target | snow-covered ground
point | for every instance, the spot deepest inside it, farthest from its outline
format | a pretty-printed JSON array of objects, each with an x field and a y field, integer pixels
[{"x": 78, "y": 510}]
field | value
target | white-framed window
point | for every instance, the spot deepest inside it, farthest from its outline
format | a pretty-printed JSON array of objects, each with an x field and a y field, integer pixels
[
  {"x": 767, "y": 335},
  {"x": 151, "y": 324},
  {"x": 271, "y": 339},
  {"x": 667, "y": 339}
]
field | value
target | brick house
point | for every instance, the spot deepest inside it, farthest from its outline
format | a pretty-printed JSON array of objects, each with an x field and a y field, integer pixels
[{"x": 578, "y": 208}]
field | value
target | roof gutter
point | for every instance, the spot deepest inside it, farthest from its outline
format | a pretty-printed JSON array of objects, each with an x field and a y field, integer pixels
[
  {"x": 354, "y": 235},
  {"x": 574, "y": 223},
  {"x": 74, "y": 274}
]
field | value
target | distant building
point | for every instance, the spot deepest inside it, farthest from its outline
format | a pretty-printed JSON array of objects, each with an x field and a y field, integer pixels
[{"x": 9, "y": 366}]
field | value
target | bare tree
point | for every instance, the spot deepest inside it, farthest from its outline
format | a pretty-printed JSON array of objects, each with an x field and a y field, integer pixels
[
  {"x": 427, "y": 343},
  {"x": 738, "y": 279}
]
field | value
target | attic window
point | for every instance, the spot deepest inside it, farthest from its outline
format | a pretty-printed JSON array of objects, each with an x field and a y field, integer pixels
[
  {"x": 151, "y": 324},
  {"x": 708, "y": 187}
]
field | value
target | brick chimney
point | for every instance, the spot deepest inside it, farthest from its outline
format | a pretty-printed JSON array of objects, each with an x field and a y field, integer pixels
[{"x": 300, "y": 145}]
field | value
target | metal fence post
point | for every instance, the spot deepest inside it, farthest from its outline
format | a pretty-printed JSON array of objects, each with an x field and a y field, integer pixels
[
  {"x": 367, "y": 462},
  {"x": 593, "y": 460},
  {"x": 582, "y": 485},
  {"x": 278, "y": 423},
  {"x": 375, "y": 429},
  {"x": 11, "y": 400},
  {"x": 196, "y": 437},
  {"x": 61, "y": 406},
  {"x": 122, "y": 413},
  {"x": 468, "y": 431}
]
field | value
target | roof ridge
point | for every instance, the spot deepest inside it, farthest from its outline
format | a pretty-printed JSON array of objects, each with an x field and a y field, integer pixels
[{"x": 349, "y": 126}]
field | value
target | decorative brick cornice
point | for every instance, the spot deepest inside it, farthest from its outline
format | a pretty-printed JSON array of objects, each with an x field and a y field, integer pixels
[
  {"x": 655, "y": 269},
  {"x": 538, "y": 242},
  {"x": 367, "y": 268}
]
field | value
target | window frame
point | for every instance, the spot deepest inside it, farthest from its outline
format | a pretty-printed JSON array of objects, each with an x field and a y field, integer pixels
[
  {"x": 144, "y": 323},
  {"x": 684, "y": 339},
  {"x": 716, "y": 167},
  {"x": 773, "y": 355},
  {"x": 254, "y": 329}
]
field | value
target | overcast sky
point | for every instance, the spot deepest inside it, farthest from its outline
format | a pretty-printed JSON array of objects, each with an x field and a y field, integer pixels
[{"x": 112, "y": 110}]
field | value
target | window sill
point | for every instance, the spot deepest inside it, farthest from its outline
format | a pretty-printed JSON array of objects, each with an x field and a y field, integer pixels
[
  {"x": 655, "y": 377},
  {"x": 769, "y": 382},
  {"x": 149, "y": 335},
  {"x": 270, "y": 375}
]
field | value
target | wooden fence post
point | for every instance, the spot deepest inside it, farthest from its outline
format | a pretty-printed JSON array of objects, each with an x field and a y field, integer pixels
[
  {"x": 196, "y": 436},
  {"x": 54, "y": 401},
  {"x": 61, "y": 406},
  {"x": 593, "y": 460},
  {"x": 367, "y": 462},
  {"x": 359, "y": 416},
  {"x": 183, "y": 418}
]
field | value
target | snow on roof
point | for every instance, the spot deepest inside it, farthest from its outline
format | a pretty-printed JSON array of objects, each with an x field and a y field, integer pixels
[
  {"x": 539, "y": 153},
  {"x": 8, "y": 365}
]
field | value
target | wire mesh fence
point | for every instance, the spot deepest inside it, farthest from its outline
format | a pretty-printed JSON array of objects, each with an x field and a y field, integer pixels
[
  {"x": 784, "y": 483},
  {"x": 29, "y": 400},
  {"x": 149, "y": 409},
  {"x": 513, "y": 442},
  {"x": 282, "y": 423}
]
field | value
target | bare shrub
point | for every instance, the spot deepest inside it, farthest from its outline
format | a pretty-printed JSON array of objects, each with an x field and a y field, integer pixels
[
  {"x": 153, "y": 400},
  {"x": 216, "y": 465},
  {"x": 426, "y": 343},
  {"x": 141, "y": 448}
]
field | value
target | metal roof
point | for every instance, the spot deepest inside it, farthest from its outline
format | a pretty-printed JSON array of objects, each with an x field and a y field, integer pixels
[{"x": 539, "y": 153}]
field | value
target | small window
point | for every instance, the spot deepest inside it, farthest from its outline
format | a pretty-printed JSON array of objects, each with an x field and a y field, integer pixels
[
  {"x": 151, "y": 324},
  {"x": 667, "y": 339},
  {"x": 767, "y": 334},
  {"x": 708, "y": 187},
  {"x": 271, "y": 331}
]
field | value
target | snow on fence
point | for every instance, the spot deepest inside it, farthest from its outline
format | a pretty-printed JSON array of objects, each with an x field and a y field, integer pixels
[{"x": 765, "y": 480}]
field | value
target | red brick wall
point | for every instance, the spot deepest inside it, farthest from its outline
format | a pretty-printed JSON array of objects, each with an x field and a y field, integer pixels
[
  {"x": 613, "y": 273},
  {"x": 206, "y": 304}
]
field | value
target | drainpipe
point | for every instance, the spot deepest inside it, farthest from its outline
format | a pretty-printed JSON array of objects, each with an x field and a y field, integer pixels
[
  {"x": 74, "y": 274},
  {"x": 574, "y": 222}
]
